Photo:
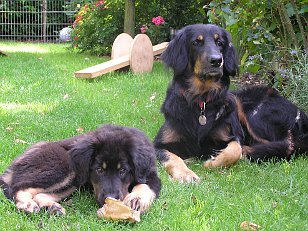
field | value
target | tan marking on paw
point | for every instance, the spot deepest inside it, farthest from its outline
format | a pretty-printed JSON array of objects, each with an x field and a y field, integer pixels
[
  {"x": 227, "y": 157},
  {"x": 178, "y": 170}
]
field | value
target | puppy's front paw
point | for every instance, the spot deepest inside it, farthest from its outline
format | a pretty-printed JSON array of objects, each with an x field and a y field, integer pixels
[
  {"x": 28, "y": 206},
  {"x": 141, "y": 198},
  {"x": 56, "y": 209}
]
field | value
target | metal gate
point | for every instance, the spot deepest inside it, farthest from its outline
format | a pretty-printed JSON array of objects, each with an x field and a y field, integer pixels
[{"x": 34, "y": 20}]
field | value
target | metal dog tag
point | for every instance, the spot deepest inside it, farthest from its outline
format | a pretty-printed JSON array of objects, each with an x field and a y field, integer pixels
[{"x": 202, "y": 120}]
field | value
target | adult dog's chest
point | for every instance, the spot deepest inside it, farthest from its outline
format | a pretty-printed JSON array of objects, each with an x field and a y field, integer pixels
[{"x": 198, "y": 119}]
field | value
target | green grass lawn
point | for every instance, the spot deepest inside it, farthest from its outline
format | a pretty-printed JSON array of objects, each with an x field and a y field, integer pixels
[{"x": 41, "y": 100}]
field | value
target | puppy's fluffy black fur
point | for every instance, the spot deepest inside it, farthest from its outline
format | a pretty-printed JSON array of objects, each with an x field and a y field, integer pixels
[
  {"x": 256, "y": 122},
  {"x": 112, "y": 159}
]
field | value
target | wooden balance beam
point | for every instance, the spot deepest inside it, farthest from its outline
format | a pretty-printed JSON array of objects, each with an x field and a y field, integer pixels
[{"x": 137, "y": 53}]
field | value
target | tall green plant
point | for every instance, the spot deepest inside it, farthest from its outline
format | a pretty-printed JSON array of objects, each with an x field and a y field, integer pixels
[{"x": 297, "y": 79}]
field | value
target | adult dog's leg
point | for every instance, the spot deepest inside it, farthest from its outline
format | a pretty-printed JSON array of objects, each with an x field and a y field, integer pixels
[
  {"x": 226, "y": 157},
  {"x": 176, "y": 167},
  {"x": 274, "y": 150},
  {"x": 170, "y": 147}
]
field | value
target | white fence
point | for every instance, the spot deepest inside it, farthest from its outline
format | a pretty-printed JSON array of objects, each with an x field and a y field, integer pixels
[{"x": 34, "y": 20}]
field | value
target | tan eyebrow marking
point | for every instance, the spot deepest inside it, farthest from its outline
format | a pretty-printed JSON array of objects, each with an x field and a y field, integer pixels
[
  {"x": 200, "y": 38},
  {"x": 216, "y": 36},
  {"x": 119, "y": 166},
  {"x": 104, "y": 165}
]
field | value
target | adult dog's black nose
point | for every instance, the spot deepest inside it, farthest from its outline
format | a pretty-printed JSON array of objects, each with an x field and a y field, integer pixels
[{"x": 215, "y": 60}]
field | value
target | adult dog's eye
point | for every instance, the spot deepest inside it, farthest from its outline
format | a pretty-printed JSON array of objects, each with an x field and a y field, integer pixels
[
  {"x": 100, "y": 171},
  {"x": 195, "y": 43},
  {"x": 122, "y": 171},
  {"x": 219, "y": 43}
]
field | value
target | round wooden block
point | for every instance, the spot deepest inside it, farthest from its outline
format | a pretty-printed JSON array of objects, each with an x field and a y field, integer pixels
[
  {"x": 141, "y": 54},
  {"x": 121, "y": 45}
]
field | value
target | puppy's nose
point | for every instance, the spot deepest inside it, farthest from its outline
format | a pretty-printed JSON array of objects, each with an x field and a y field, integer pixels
[
  {"x": 215, "y": 60},
  {"x": 112, "y": 195}
]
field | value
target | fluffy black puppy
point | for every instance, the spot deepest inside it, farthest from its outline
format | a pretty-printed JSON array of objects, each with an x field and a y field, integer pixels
[
  {"x": 118, "y": 162},
  {"x": 204, "y": 119}
]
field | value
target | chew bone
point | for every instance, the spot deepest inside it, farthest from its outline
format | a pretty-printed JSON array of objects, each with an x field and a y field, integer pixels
[{"x": 116, "y": 210}]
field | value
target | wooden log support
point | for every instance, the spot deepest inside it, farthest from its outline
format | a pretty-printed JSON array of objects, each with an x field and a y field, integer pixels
[{"x": 141, "y": 55}]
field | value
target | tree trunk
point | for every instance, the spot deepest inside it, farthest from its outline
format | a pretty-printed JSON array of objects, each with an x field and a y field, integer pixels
[
  {"x": 285, "y": 20},
  {"x": 129, "y": 18},
  {"x": 298, "y": 19}
]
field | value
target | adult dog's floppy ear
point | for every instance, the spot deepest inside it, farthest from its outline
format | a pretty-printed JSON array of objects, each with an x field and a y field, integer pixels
[
  {"x": 176, "y": 54},
  {"x": 230, "y": 56},
  {"x": 81, "y": 156},
  {"x": 143, "y": 158}
]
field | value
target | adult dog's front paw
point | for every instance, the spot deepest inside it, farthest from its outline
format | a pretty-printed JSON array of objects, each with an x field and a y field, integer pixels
[
  {"x": 226, "y": 157},
  {"x": 178, "y": 170}
]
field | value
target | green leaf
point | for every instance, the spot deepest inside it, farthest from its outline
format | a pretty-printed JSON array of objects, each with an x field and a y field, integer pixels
[{"x": 253, "y": 68}]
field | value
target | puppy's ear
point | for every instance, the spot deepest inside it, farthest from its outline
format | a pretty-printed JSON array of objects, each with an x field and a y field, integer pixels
[
  {"x": 176, "y": 54},
  {"x": 143, "y": 158},
  {"x": 81, "y": 156},
  {"x": 230, "y": 56}
]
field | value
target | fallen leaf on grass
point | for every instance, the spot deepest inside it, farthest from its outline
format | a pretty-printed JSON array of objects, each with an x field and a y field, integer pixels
[
  {"x": 9, "y": 129},
  {"x": 79, "y": 130},
  {"x": 19, "y": 141},
  {"x": 153, "y": 96},
  {"x": 65, "y": 96},
  {"x": 247, "y": 225}
]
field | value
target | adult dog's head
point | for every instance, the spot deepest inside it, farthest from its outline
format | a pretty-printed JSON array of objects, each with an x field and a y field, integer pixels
[
  {"x": 204, "y": 55},
  {"x": 113, "y": 159}
]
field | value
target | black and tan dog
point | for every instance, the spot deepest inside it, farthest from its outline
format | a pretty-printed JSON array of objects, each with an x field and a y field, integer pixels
[
  {"x": 116, "y": 161},
  {"x": 204, "y": 119}
]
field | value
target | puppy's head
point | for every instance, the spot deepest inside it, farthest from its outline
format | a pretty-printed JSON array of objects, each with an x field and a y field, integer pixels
[
  {"x": 107, "y": 159},
  {"x": 204, "y": 53}
]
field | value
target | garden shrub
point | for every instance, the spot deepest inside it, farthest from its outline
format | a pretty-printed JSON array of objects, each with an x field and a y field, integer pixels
[
  {"x": 158, "y": 31},
  {"x": 295, "y": 78},
  {"x": 260, "y": 32},
  {"x": 96, "y": 26}
]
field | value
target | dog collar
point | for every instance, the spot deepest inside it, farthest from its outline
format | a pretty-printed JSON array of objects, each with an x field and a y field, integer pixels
[
  {"x": 202, "y": 117},
  {"x": 202, "y": 105}
]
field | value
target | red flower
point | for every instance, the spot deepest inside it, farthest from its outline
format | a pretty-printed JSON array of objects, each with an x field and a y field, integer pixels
[
  {"x": 158, "y": 20},
  {"x": 143, "y": 29}
]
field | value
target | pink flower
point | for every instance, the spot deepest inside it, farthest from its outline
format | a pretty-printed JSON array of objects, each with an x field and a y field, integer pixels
[
  {"x": 158, "y": 20},
  {"x": 98, "y": 3},
  {"x": 143, "y": 29}
]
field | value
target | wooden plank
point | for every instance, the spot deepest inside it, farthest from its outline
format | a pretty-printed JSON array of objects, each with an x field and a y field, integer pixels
[
  {"x": 3, "y": 53},
  {"x": 100, "y": 69},
  {"x": 159, "y": 48}
]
